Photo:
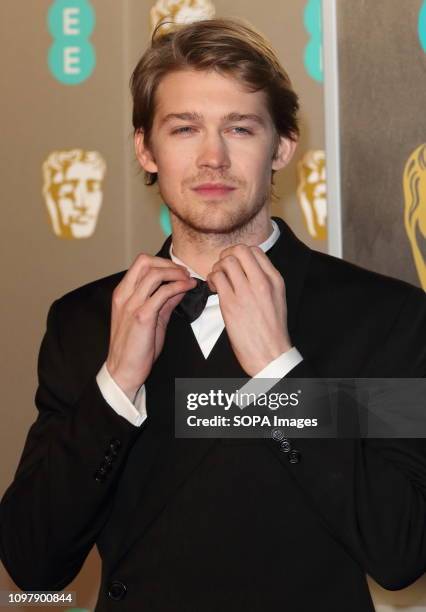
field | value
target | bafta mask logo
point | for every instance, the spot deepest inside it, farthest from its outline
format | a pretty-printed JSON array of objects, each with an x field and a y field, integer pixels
[
  {"x": 312, "y": 193},
  {"x": 180, "y": 11},
  {"x": 415, "y": 208},
  {"x": 72, "y": 191}
]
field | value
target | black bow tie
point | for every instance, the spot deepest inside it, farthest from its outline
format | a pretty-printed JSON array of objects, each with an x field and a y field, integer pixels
[{"x": 194, "y": 301}]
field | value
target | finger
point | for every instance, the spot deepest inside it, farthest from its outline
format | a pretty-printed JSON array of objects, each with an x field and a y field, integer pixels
[
  {"x": 137, "y": 270},
  {"x": 168, "y": 307},
  {"x": 154, "y": 303},
  {"x": 222, "y": 285},
  {"x": 231, "y": 267},
  {"x": 152, "y": 281},
  {"x": 162, "y": 263},
  {"x": 249, "y": 264},
  {"x": 267, "y": 266}
]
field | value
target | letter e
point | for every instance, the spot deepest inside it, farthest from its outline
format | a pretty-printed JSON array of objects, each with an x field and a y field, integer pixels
[
  {"x": 72, "y": 60},
  {"x": 70, "y": 22}
]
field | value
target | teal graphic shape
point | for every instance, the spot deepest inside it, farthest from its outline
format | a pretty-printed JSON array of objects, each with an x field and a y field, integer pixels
[
  {"x": 70, "y": 19},
  {"x": 165, "y": 224},
  {"x": 422, "y": 26},
  {"x": 72, "y": 64},
  {"x": 312, "y": 20},
  {"x": 71, "y": 58}
]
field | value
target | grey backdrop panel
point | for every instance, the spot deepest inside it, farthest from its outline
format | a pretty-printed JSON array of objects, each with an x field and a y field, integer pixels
[{"x": 382, "y": 70}]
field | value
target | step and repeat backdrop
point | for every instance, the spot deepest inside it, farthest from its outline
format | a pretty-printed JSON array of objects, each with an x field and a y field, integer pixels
[
  {"x": 382, "y": 102},
  {"x": 74, "y": 204}
]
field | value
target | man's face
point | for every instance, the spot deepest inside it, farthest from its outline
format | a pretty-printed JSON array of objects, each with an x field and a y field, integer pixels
[
  {"x": 79, "y": 198},
  {"x": 212, "y": 144}
]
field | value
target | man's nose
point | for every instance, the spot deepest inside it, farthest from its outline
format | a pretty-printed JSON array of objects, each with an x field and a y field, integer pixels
[{"x": 213, "y": 152}]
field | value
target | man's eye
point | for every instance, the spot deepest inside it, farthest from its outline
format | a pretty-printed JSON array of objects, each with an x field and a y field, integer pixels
[
  {"x": 183, "y": 130},
  {"x": 187, "y": 129},
  {"x": 241, "y": 130}
]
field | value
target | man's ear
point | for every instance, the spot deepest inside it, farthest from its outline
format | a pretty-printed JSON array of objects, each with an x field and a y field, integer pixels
[
  {"x": 143, "y": 153},
  {"x": 285, "y": 152}
]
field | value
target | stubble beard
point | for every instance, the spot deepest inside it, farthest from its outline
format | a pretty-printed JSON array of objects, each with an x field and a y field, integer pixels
[{"x": 233, "y": 223}]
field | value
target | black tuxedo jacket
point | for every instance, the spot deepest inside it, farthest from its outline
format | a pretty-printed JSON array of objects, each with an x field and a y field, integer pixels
[{"x": 87, "y": 476}]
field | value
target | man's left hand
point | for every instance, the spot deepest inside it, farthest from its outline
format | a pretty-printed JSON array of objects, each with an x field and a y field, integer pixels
[{"x": 253, "y": 303}]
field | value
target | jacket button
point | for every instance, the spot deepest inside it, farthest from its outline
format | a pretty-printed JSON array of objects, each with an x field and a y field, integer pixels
[
  {"x": 114, "y": 443},
  {"x": 99, "y": 476},
  {"x": 294, "y": 456},
  {"x": 103, "y": 470},
  {"x": 117, "y": 590},
  {"x": 285, "y": 446},
  {"x": 110, "y": 453},
  {"x": 114, "y": 446},
  {"x": 106, "y": 466}
]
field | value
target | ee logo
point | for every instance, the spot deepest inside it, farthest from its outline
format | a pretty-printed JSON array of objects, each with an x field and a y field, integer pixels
[
  {"x": 71, "y": 57},
  {"x": 422, "y": 26},
  {"x": 165, "y": 222},
  {"x": 313, "y": 50}
]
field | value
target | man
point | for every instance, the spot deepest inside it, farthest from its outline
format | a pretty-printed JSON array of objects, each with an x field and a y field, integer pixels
[{"x": 208, "y": 524}]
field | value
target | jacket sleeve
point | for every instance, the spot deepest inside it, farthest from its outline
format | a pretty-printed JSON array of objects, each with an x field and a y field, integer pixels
[
  {"x": 371, "y": 493},
  {"x": 63, "y": 489}
]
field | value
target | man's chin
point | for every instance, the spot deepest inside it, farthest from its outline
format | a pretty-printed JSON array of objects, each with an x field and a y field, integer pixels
[
  {"x": 216, "y": 224},
  {"x": 218, "y": 216}
]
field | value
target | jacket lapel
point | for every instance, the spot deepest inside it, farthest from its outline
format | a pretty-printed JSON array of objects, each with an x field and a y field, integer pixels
[{"x": 291, "y": 258}]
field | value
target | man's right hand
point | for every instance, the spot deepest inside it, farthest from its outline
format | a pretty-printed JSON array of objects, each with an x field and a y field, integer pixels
[{"x": 141, "y": 311}]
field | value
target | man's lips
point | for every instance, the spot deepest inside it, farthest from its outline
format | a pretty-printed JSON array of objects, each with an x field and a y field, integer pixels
[{"x": 213, "y": 189}]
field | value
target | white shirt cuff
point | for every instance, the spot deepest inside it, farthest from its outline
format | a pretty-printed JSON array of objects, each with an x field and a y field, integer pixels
[
  {"x": 276, "y": 369},
  {"x": 281, "y": 366},
  {"x": 114, "y": 396}
]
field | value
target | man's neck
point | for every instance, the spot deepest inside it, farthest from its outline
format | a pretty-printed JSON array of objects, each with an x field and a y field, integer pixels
[{"x": 200, "y": 252}]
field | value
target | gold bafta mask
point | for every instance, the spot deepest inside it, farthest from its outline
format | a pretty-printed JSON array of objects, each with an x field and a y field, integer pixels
[
  {"x": 312, "y": 193},
  {"x": 180, "y": 11},
  {"x": 72, "y": 190},
  {"x": 415, "y": 208}
]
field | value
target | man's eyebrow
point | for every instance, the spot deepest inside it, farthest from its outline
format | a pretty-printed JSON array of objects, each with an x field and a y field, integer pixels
[
  {"x": 229, "y": 117},
  {"x": 244, "y": 117}
]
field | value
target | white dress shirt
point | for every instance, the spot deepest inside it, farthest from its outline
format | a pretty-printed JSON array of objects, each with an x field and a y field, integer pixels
[{"x": 207, "y": 328}]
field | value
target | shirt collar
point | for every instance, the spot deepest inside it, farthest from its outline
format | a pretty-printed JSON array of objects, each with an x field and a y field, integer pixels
[{"x": 265, "y": 246}]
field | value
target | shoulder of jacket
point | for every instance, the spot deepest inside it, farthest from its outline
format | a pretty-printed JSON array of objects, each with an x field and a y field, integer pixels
[
  {"x": 95, "y": 294},
  {"x": 345, "y": 274}
]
